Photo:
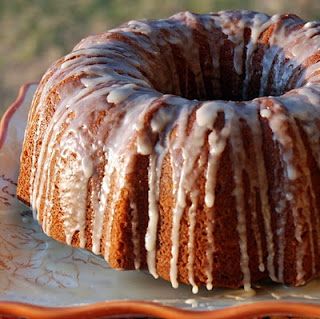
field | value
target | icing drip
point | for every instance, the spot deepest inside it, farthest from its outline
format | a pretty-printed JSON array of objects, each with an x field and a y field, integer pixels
[
  {"x": 206, "y": 117},
  {"x": 78, "y": 143},
  {"x": 254, "y": 123},
  {"x": 258, "y": 181},
  {"x": 311, "y": 129},
  {"x": 279, "y": 123},
  {"x": 178, "y": 181},
  {"x": 238, "y": 167},
  {"x": 192, "y": 223},
  {"x": 115, "y": 154},
  {"x": 135, "y": 235},
  {"x": 259, "y": 24},
  {"x": 305, "y": 116},
  {"x": 303, "y": 204},
  {"x": 162, "y": 124},
  {"x": 153, "y": 198},
  {"x": 74, "y": 198}
]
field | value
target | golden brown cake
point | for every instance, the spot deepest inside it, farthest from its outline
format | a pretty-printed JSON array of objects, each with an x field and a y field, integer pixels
[{"x": 187, "y": 146}]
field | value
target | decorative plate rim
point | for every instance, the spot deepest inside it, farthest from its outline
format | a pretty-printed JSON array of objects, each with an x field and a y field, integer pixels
[
  {"x": 6, "y": 117},
  {"x": 118, "y": 308},
  {"x": 140, "y": 307}
]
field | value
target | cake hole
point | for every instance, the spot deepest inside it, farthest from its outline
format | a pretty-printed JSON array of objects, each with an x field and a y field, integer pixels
[{"x": 238, "y": 74}]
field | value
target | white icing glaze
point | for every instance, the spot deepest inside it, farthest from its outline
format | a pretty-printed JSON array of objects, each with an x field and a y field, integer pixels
[{"x": 116, "y": 83}]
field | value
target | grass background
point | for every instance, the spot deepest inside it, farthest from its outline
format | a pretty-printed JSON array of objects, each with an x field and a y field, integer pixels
[{"x": 34, "y": 33}]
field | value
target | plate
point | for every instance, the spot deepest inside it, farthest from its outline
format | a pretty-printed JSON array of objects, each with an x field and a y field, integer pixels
[{"x": 37, "y": 272}]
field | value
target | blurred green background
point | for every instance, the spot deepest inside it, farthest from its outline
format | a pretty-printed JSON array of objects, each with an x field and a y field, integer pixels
[{"x": 34, "y": 33}]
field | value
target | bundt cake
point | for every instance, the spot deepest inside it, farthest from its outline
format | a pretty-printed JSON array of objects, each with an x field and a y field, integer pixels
[{"x": 188, "y": 146}]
